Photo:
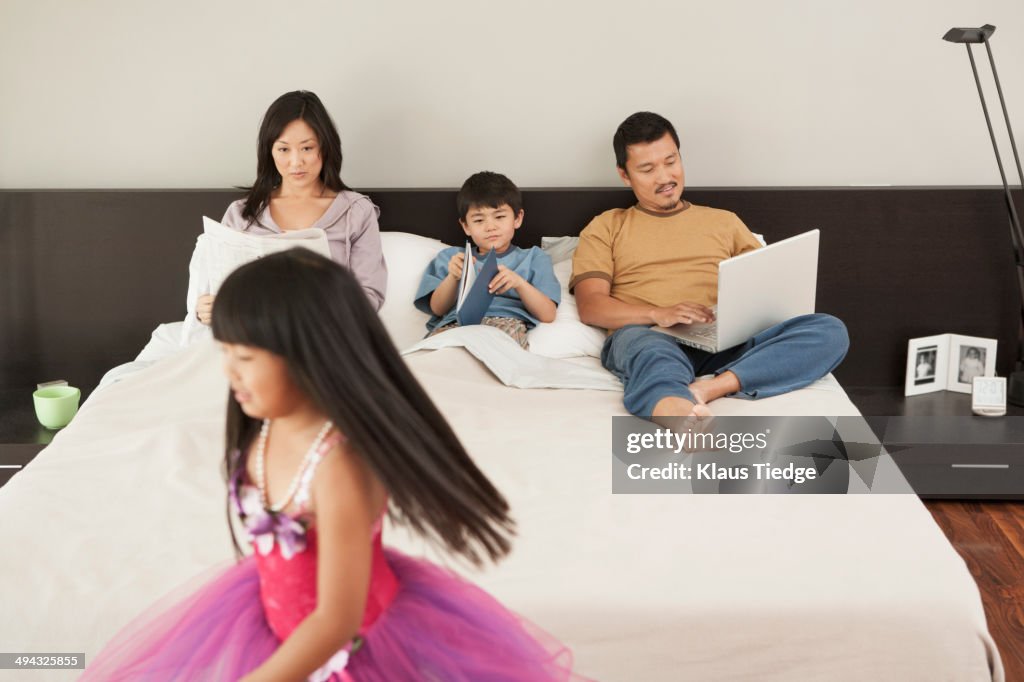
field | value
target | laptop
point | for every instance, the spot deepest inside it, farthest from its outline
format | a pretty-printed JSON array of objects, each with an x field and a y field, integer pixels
[{"x": 756, "y": 290}]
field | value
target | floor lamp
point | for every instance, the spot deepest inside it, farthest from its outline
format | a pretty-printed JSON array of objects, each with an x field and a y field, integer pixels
[{"x": 967, "y": 36}]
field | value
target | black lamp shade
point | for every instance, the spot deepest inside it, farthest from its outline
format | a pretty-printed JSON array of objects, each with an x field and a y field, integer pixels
[{"x": 969, "y": 35}]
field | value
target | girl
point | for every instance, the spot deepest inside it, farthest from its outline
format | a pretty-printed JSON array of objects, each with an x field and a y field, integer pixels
[
  {"x": 325, "y": 427},
  {"x": 971, "y": 366},
  {"x": 298, "y": 185}
]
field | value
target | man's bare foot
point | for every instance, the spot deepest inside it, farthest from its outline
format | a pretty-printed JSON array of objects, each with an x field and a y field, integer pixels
[
  {"x": 674, "y": 406},
  {"x": 706, "y": 390}
]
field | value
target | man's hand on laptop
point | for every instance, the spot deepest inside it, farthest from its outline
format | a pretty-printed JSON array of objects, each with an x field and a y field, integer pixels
[{"x": 682, "y": 313}]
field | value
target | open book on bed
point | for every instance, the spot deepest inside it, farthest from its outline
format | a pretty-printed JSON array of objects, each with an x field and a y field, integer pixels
[{"x": 229, "y": 249}]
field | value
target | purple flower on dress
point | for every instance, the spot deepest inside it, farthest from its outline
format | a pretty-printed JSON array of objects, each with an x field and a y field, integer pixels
[{"x": 266, "y": 527}]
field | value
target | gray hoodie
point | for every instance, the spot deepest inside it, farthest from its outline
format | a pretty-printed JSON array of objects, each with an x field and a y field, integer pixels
[{"x": 352, "y": 233}]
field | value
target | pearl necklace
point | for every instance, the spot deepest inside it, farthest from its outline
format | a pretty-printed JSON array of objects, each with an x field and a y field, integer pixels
[{"x": 261, "y": 470}]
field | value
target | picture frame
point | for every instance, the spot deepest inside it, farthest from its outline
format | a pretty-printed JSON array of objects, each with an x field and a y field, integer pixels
[
  {"x": 948, "y": 362},
  {"x": 927, "y": 364},
  {"x": 969, "y": 357}
]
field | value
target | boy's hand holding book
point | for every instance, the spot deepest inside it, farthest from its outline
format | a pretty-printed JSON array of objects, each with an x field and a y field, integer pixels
[
  {"x": 505, "y": 279},
  {"x": 455, "y": 265}
]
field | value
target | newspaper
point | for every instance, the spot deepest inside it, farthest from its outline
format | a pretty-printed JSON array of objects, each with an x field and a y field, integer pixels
[{"x": 227, "y": 249}]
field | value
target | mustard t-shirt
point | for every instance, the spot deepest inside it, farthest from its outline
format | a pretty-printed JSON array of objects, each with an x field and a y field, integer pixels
[{"x": 660, "y": 259}]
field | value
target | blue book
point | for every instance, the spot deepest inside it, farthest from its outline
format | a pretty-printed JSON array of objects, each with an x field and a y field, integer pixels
[{"x": 474, "y": 298}]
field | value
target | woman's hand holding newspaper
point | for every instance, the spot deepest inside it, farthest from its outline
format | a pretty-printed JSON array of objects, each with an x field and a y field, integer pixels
[{"x": 204, "y": 308}]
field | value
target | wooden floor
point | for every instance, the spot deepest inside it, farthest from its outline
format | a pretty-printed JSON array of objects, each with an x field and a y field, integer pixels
[{"x": 990, "y": 538}]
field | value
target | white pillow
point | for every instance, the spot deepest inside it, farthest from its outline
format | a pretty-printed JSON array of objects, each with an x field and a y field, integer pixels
[
  {"x": 566, "y": 337},
  {"x": 407, "y": 256},
  {"x": 559, "y": 248}
]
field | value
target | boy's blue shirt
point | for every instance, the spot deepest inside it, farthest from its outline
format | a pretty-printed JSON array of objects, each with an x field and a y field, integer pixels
[{"x": 531, "y": 264}]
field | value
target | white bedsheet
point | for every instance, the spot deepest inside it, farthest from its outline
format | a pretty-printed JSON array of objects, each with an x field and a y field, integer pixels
[
  {"x": 516, "y": 367},
  {"x": 127, "y": 503},
  {"x": 670, "y": 587},
  {"x": 164, "y": 342}
]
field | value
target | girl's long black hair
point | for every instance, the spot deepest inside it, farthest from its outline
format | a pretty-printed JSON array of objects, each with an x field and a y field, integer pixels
[
  {"x": 313, "y": 313},
  {"x": 300, "y": 104}
]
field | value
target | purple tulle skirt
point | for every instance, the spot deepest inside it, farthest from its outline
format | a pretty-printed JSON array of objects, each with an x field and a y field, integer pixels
[{"x": 439, "y": 627}]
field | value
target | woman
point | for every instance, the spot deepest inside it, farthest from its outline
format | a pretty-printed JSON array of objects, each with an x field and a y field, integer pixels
[{"x": 298, "y": 185}]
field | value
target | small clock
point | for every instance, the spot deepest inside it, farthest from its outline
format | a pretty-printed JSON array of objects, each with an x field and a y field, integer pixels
[{"x": 988, "y": 397}]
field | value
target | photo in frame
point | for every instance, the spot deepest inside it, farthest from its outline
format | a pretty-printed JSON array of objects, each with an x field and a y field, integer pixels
[
  {"x": 927, "y": 364},
  {"x": 969, "y": 357},
  {"x": 948, "y": 362}
]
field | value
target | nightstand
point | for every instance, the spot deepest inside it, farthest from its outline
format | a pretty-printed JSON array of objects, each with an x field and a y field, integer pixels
[
  {"x": 943, "y": 450},
  {"x": 21, "y": 435}
]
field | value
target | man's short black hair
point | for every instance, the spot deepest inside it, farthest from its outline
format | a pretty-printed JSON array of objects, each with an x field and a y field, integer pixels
[
  {"x": 492, "y": 190},
  {"x": 640, "y": 128}
]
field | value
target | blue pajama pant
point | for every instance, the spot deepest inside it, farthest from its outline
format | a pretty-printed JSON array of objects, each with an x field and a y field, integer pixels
[{"x": 782, "y": 358}]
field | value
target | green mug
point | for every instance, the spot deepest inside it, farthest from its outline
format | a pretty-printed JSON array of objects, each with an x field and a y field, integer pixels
[{"x": 56, "y": 405}]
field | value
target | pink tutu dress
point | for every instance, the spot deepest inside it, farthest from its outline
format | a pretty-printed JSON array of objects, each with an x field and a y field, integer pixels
[{"x": 422, "y": 622}]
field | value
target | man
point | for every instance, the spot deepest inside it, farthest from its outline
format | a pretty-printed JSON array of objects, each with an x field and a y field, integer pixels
[{"x": 656, "y": 263}]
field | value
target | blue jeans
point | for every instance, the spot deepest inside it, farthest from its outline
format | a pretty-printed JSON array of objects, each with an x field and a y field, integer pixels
[{"x": 782, "y": 358}]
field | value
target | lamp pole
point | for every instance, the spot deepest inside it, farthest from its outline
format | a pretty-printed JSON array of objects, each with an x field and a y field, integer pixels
[{"x": 969, "y": 36}]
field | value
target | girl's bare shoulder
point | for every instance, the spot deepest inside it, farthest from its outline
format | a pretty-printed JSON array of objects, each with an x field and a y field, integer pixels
[{"x": 344, "y": 475}]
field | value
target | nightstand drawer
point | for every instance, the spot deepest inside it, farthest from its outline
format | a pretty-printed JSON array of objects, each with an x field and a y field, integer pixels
[{"x": 990, "y": 471}]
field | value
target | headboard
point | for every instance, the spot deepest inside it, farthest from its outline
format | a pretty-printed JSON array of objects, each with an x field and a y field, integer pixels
[{"x": 85, "y": 275}]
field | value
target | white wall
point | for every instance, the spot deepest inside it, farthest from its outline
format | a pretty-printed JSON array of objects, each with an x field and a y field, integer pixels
[{"x": 123, "y": 93}]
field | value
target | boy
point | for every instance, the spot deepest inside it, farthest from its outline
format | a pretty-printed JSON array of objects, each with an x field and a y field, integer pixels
[{"x": 526, "y": 290}]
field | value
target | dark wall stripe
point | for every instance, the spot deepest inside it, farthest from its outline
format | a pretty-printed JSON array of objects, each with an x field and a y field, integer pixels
[{"x": 86, "y": 275}]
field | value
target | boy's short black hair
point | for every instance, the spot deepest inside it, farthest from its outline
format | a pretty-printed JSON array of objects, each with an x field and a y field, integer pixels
[
  {"x": 488, "y": 189},
  {"x": 641, "y": 127}
]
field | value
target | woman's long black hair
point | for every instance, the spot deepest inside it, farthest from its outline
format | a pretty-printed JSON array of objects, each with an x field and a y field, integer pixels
[
  {"x": 313, "y": 313},
  {"x": 300, "y": 104}
]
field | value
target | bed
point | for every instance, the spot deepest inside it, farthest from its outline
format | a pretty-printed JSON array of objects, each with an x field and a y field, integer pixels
[{"x": 127, "y": 504}]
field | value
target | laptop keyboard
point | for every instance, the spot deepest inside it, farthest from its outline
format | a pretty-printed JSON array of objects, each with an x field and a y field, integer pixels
[{"x": 708, "y": 333}]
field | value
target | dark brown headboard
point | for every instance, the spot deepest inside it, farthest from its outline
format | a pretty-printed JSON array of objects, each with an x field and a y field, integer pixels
[{"x": 86, "y": 275}]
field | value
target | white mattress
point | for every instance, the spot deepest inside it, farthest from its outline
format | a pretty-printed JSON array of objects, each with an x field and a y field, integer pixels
[{"x": 127, "y": 503}]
